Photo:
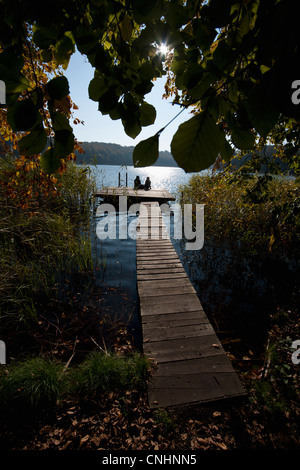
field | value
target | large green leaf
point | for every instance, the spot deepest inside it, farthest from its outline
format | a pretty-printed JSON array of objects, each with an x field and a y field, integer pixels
[
  {"x": 97, "y": 87},
  {"x": 64, "y": 143},
  {"x": 146, "y": 152},
  {"x": 15, "y": 82},
  {"x": 244, "y": 139},
  {"x": 226, "y": 151},
  {"x": 108, "y": 101},
  {"x": 131, "y": 126},
  {"x": 142, "y": 8},
  {"x": 33, "y": 143},
  {"x": 126, "y": 28},
  {"x": 58, "y": 88},
  {"x": 22, "y": 115},
  {"x": 60, "y": 122},
  {"x": 49, "y": 162},
  {"x": 261, "y": 109},
  {"x": 63, "y": 146},
  {"x": 147, "y": 114},
  {"x": 196, "y": 144}
]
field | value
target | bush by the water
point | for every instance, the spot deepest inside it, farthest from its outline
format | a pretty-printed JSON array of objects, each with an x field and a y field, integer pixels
[{"x": 254, "y": 214}]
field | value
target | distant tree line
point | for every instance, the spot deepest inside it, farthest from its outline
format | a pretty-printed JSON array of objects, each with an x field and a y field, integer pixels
[{"x": 101, "y": 153}]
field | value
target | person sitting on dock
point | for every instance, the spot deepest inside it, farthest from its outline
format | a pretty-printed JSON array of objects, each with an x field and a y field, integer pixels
[
  {"x": 137, "y": 183},
  {"x": 147, "y": 183}
]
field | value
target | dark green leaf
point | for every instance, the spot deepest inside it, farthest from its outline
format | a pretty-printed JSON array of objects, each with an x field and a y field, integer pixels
[
  {"x": 44, "y": 37},
  {"x": 58, "y": 88},
  {"x": 132, "y": 127},
  {"x": 33, "y": 143},
  {"x": 126, "y": 28},
  {"x": 146, "y": 71},
  {"x": 204, "y": 32},
  {"x": 261, "y": 110},
  {"x": 117, "y": 112},
  {"x": 64, "y": 143},
  {"x": 22, "y": 115},
  {"x": 61, "y": 122},
  {"x": 63, "y": 49},
  {"x": 219, "y": 12},
  {"x": 97, "y": 87},
  {"x": 244, "y": 139},
  {"x": 143, "y": 8},
  {"x": 196, "y": 144},
  {"x": 226, "y": 151},
  {"x": 108, "y": 101},
  {"x": 15, "y": 82},
  {"x": 147, "y": 114},
  {"x": 63, "y": 146},
  {"x": 49, "y": 162},
  {"x": 145, "y": 152}
]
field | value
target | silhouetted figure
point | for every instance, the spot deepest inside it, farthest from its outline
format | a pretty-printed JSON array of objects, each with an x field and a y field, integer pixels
[
  {"x": 137, "y": 183},
  {"x": 147, "y": 183}
]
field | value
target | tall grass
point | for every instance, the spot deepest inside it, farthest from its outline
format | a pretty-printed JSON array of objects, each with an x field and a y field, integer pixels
[
  {"x": 40, "y": 383},
  {"x": 253, "y": 215},
  {"x": 39, "y": 250},
  {"x": 102, "y": 373},
  {"x": 35, "y": 382}
]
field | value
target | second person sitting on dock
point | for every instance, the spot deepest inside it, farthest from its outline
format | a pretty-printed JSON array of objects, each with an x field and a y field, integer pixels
[{"x": 147, "y": 183}]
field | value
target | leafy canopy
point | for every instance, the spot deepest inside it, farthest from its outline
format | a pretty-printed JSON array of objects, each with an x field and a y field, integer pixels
[{"x": 232, "y": 62}]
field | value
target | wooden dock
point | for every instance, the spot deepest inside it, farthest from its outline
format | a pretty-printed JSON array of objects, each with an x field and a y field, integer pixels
[
  {"x": 192, "y": 366},
  {"x": 136, "y": 195}
]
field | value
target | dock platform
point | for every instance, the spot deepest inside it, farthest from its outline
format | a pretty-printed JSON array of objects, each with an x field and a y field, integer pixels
[
  {"x": 191, "y": 364},
  {"x": 136, "y": 195}
]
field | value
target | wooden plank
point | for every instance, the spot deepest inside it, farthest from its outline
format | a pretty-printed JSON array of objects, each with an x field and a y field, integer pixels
[
  {"x": 166, "y": 332},
  {"x": 161, "y": 272},
  {"x": 154, "y": 193},
  {"x": 150, "y": 244},
  {"x": 163, "y": 267},
  {"x": 155, "y": 249},
  {"x": 170, "y": 304},
  {"x": 157, "y": 276},
  {"x": 157, "y": 257},
  {"x": 176, "y": 319},
  {"x": 161, "y": 291},
  {"x": 154, "y": 262},
  {"x": 198, "y": 388},
  {"x": 183, "y": 349},
  {"x": 153, "y": 284},
  {"x": 197, "y": 365}
]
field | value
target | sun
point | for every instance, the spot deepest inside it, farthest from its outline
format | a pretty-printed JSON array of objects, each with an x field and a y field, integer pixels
[{"x": 163, "y": 49}]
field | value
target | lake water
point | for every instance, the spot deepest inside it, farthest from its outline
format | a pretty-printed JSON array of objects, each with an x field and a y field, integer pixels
[{"x": 161, "y": 177}]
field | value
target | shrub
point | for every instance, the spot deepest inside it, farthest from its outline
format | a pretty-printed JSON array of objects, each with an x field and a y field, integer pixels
[
  {"x": 35, "y": 382},
  {"x": 103, "y": 373},
  {"x": 253, "y": 214}
]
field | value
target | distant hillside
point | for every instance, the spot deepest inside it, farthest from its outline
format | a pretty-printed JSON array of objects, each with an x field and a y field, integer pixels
[{"x": 101, "y": 153}]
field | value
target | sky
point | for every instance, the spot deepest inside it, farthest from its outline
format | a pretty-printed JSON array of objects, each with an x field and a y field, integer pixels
[{"x": 100, "y": 128}]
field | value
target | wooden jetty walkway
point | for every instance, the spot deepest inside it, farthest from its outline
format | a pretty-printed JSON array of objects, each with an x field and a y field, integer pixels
[
  {"x": 192, "y": 366},
  {"x": 136, "y": 195}
]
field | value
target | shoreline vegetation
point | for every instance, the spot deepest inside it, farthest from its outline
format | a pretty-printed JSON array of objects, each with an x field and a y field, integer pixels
[{"x": 74, "y": 379}]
